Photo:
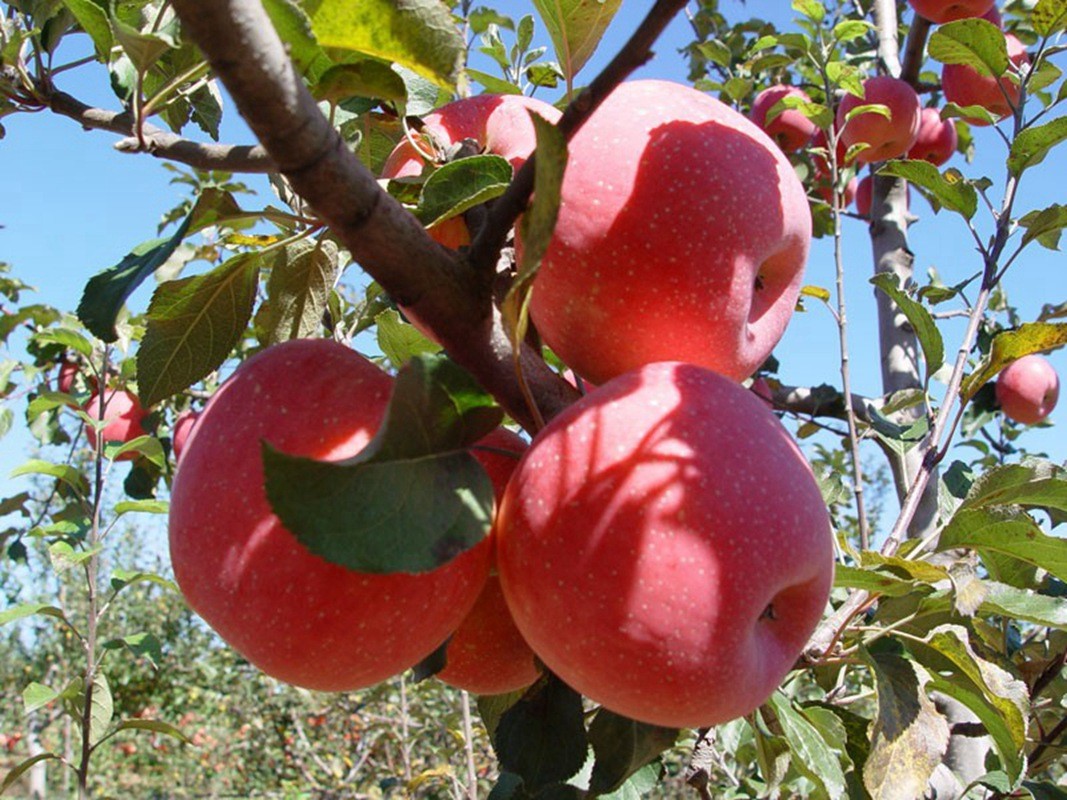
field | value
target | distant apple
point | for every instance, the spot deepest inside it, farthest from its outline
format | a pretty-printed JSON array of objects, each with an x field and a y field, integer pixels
[
  {"x": 499, "y": 124},
  {"x": 964, "y": 86},
  {"x": 886, "y": 137},
  {"x": 993, "y": 15},
  {"x": 183, "y": 427},
  {"x": 294, "y": 615},
  {"x": 487, "y": 654},
  {"x": 68, "y": 371},
  {"x": 865, "y": 195},
  {"x": 939, "y": 11},
  {"x": 664, "y": 547},
  {"x": 123, "y": 416},
  {"x": 790, "y": 129},
  {"x": 1027, "y": 389},
  {"x": 937, "y": 138},
  {"x": 683, "y": 234}
]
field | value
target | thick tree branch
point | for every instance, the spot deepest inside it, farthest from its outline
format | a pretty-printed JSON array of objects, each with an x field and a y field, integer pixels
[
  {"x": 507, "y": 208},
  {"x": 158, "y": 142},
  {"x": 435, "y": 285}
]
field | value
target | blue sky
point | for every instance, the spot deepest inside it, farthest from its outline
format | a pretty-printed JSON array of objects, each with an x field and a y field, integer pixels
[{"x": 73, "y": 206}]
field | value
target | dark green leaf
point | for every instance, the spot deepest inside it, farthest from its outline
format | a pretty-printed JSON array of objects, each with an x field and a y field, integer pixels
[
  {"x": 154, "y": 725},
  {"x": 28, "y": 610},
  {"x": 1041, "y": 790},
  {"x": 414, "y": 498},
  {"x": 107, "y": 292},
  {"x": 542, "y": 738},
  {"x": 143, "y": 49},
  {"x": 812, "y": 754},
  {"x": 1033, "y": 144},
  {"x": 460, "y": 185},
  {"x": 1035, "y": 483},
  {"x": 92, "y": 18},
  {"x": 22, "y": 768},
  {"x": 121, "y": 578},
  {"x": 302, "y": 275},
  {"x": 365, "y": 78},
  {"x": 418, "y": 34},
  {"x": 1012, "y": 533},
  {"x": 491, "y": 708},
  {"x": 1045, "y": 226},
  {"x": 621, "y": 746},
  {"x": 923, "y": 323},
  {"x": 576, "y": 28},
  {"x": 977, "y": 43},
  {"x": 871, "y": 580},
  {"x": 949, "y": 190},
  {"x": 908, "y": 737},
  {"x": 142, "y": 645},
  {"x": 1007, "y": 346},
  {"x": 193, "y": 324}
]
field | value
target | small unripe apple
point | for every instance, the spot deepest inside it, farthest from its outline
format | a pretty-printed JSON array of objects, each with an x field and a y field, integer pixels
[
  {"x": 498, "y": 124},
  {"x": 123, "y": 416},
  {"x": 963, "y": 85},
  {"x": 1027, "y": 389},
  {"x": 294, "y": 615},
  {"x": 664, "y": 547},
  {"x": 790, "y": 129},
  {"x": 939, "y": 11},
  {"x": 487, "y": 654},
  {"x": 183, "y": 427},
  {"x": 885, "y": 137},
  {"x": 682, "y": 234},
  {"x": 937, "y": 138}
]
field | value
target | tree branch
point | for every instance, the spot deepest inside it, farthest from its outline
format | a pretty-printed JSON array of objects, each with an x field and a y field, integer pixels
[
  {"x": 434, "y": 284},
  {"x": 507, "y": 208},
  {"x": 158, "y": 142}
]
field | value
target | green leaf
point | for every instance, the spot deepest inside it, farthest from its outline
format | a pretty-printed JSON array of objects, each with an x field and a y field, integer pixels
[
  {"x": 22, "y": 768},
  {"x": 37, "y": 695},
  {"x": 66, "y": 337},
  {"x": 977, "y": 43},
  {"x": 418, "y": 34},
  {"x": 921, "y": 321},
  {"x": 63, "y": 472},
  {"x": 1035, "y": 483},
  {"x": 850, "y": 29},
  {"x": 142, "y": 645},
  {"x": 537, "y": 224},
  {"x": 462, "y": 184},
  {"x": 1049, "y": 16},
  {"x": 294, "y": 29},
  {"x": 147, "y": 446},
  {"x": 576, "y": 28},
  {"x": 102, "y": 708},
  {"x": 621, "y": 746},
  {"x": 121, "y": 578},
  {"x": 28, "y": 610},
  {"x": 491, "y": 707},
  {"x": 1025, "y": 605},
  {"x": 998, "y": 700},
  {"x": 142, "y": 506},
  {"x": 1033, "y": 144},
  {"x": 917, "y": 570},
  {"x": 154, "y": 725},
  {"x": 64, "y": 556},
  {"x": 908, "y": 737},
  {"x": 812, "y": 754},
  {"x": 414, "y": 498},
  {"x": 107, "y": 292},
  {"x": 639, "y": 785},
  {"x": 949, "y": 190},
  {"x": 1012, "y": 533},
  {"x": 872, "y": 580},
  {"x": 92, "y": 18},
  {"x": 542, "y": 737},
  {"x": 847, "y": 76},
  {"x": 812, "y": 9},
  {"x": 400, "y": 341},
  {"x": 1007, "y": 346},
  {"x": 302, "y": 275},
  {"x": 1045, "y": 226},
  {"x": 365, "y": 78},
  {"x": 193, "y": 324}
]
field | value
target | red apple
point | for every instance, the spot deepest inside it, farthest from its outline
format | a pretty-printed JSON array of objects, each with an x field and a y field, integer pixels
[
  {"x": 937, "y": 138},
  {"x": 790, "y": 129},
  {"x": 762, "y": 390},
  {"x": 1028, "y": 389},
  {"x": 993, "y": 15},
  {"x": 865, "y": 195},
  {"x": 939, "y": 11},
  {"x": 825, "y": 191},
  {"x": 183, "y": 427},
  {"x": 885, "y": 137},
  {"x": 964, "y": 86},
  {"x": 294, "y": 615},
  {"x": 664, "y": 547},
  {"x": 68, "y": 371},
  {"x": 682, "y": 234},
  {"x": 123, "y": 416},
  {"x": 500, "y": 124},
  {"x": 487, "y": 654}
]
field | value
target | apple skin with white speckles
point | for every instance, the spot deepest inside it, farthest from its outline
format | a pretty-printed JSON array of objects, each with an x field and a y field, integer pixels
[
  {"x": 664, "y": 547},
  {"x": 1028, "y": 389},
  {"x": 487, "y": 654},
  {"x": 294, "y": 615},
  {"x": 682, "y": 235}
]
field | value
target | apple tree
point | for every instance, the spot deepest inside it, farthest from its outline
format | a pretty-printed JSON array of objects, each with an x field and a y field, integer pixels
[{"x": 654, "y": 583}]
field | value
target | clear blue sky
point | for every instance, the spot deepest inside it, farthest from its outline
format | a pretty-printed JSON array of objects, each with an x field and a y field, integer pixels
[{"x": 73, "y": 206}]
